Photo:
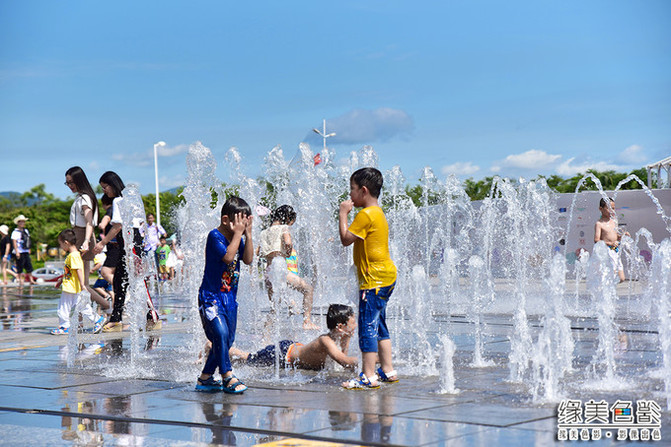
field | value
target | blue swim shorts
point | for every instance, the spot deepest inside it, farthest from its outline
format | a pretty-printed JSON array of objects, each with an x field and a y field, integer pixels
[
  {"x": 372, "y": 317},
  {"x": 103, "y": 284}
]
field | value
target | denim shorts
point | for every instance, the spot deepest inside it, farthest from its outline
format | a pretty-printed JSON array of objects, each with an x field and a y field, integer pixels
[{"x": 372, "y": 317}]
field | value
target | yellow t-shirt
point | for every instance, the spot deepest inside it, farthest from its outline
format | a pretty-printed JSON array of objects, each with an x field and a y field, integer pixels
[
  {"x": 70, "y": 283},
  {"x": 371, "y": 249}
]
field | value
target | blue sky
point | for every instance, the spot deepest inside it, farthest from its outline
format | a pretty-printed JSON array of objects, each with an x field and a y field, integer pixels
[{"x": 475, "y": 88}]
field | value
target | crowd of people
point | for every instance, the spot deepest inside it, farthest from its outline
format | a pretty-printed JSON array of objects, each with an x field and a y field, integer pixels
[
  {"x": 82, "y": 248},
  {"x": 227, "y": 245}
]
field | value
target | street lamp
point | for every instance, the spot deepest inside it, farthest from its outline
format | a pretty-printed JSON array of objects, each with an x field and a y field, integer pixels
[
  {"x": 158, "y": 210},
  {"x": 323, "y": 133}
]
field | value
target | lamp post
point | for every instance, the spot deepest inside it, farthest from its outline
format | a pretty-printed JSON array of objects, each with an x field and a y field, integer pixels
[
  {"x": 323, "y": 133},
  {"x": 158, "y": 209}
]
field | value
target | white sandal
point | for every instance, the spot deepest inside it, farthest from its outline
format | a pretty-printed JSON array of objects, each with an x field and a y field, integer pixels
[{"x": 362, "y": 383}]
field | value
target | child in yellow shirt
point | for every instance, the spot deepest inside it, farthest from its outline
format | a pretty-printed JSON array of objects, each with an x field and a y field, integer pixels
[
  {"x": 72, "y": 299},
  {"x": 369, "y": 232}
]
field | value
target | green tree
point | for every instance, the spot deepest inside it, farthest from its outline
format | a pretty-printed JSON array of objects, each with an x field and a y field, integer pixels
[
  {"x": 480, "y": 189},
  {"x": 36, "y": 196},
  {"x": 168, "y": 201}
]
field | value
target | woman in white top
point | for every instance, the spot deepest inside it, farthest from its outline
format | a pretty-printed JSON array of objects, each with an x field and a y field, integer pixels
[
  {"x": 83, "y": 217},
  {"x": 276, "y": 242}
]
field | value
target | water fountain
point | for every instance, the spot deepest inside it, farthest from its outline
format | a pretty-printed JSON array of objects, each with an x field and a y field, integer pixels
[
  {"x": 447, "y": 377},
  {"x": 553, "y": 356},
  {"x": 492, "y": 259},
  {"x": 659, "y": 291},
  {"x": 482, "y": 295}
]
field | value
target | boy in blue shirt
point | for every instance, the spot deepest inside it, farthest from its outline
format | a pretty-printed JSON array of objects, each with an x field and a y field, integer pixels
[{"x": 217, "y": 297}]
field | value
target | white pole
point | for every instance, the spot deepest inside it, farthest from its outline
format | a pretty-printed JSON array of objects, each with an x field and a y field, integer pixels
[
  {"x": 158, "y": 209},
  {"x": 324, "y": 134}
]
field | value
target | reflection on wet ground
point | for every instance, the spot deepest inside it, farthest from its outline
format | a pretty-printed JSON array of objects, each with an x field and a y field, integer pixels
[{"x": 108, "y": 398}]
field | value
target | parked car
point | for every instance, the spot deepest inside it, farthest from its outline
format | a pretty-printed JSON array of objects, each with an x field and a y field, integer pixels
[{"x": 47, "y": 274}]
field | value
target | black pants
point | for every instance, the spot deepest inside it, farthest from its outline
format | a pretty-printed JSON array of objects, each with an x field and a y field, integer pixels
[{"x": 119, "y": 284}]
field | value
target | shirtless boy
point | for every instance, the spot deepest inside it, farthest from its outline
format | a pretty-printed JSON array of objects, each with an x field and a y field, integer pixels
[
  {"x": 341, "y": 323},
  {"x": 606, "y": 230}
]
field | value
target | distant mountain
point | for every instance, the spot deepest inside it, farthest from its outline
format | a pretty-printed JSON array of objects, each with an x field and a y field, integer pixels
[
  {"x": 14, "y": 197},
  {"x": 173, "y": 190}
]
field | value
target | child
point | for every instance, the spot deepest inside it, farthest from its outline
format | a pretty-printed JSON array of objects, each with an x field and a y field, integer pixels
[
  {"x": 334, "y": 344},
  {"x": 376, "y": 272},
  {"x": 73, "y": 278},
  {"x": 217, "y": 302},
  {"x": 276, "y": 242},
  {"x": 606, "y": 230},
  {"x": 162, "y": 253},
  {"x": 102, "y": 286},
  {"x": 175, "y": 259}
]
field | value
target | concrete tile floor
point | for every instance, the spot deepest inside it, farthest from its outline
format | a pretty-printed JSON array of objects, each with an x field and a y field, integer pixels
[{"x": 99, "y": 402}]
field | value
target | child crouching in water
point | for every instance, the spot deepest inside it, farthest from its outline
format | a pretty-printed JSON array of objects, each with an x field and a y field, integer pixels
[
  {"x": 71, "y": 297},
  {"x": 341, "y": 323},
  {"x": 217, "y": 297}
]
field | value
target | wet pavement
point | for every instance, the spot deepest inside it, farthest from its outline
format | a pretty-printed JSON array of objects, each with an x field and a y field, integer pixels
[{"x": 103, "y": 399}]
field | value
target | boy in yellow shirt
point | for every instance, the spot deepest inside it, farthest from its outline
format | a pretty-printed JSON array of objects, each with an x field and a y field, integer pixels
[
  {"x": 376, "y": 272},
  {"x": 71, "y": 297}
]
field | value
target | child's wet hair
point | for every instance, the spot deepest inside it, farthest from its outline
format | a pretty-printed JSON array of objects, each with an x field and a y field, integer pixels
[
  {"x": 68, "y": 235},
  {"x": 106, "y": 200},
  {"x": 233, "y": 206},
  {"x": 602, "y": 202},
  {"x": 371, "y": 178},
  {"x": 284, "y": 214},
  {"x": 337, "y": 314}
]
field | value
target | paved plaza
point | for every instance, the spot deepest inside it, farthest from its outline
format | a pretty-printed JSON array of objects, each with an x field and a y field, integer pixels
[{"x": 98, "y": 401}]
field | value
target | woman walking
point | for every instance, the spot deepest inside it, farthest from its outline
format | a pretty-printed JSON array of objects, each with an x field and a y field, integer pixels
[
  {"x": 112, "y": 186},
  {"x": 83, "y": 217}
]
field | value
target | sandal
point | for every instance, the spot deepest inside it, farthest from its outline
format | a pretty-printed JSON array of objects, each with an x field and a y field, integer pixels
[
  {"x": 116, "y": 326},
  {"x": 362, "y": 383},
  {"x": 98, "y": 325},
  {"x": 230, "y": 388},
  {"x": 385, "y": 377},
  {"x": 209, "y": 384}
]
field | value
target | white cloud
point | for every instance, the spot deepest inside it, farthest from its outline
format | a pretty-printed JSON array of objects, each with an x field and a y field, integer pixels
[
  {"x": 167, "y": 151},
  {"x": 531, "y": 159},
  {"x": 361, "y": 126},
  {"x": 633, "y": 155},
  {"x": 460, "y": 168},
  {"x": 144, "y": 159},
  {"x": 495, "y": 168},
  {"x": 141, "y": 160},
  {"x": 169, "y": 182},
  {"x": 568, "y": 169}
]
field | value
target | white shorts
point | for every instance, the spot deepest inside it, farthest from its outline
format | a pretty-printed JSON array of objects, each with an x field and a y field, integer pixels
[{"x": 615, "y": 258}]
